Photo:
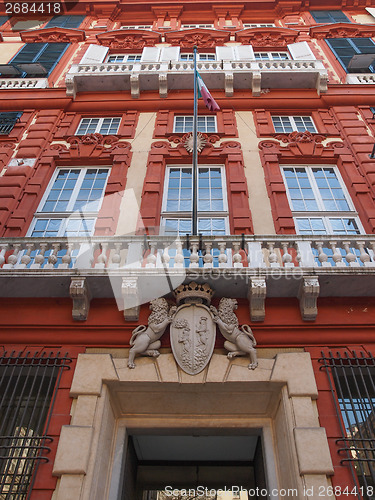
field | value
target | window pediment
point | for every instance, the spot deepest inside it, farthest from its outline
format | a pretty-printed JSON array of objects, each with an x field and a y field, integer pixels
[
  {"x": 267, "y": 37},
  {"x": 128, "y": 39},
  {"x": 343, "y": 30},
  {"x": 53, "y": 35},
  {"x": 202, "y": 38}
]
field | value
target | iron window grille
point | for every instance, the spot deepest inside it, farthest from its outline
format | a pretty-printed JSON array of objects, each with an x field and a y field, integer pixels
[
  {"x": 28, "y": 388},
  {"x": 8, "y": 121},
  {"x": 352, "y": 383}
]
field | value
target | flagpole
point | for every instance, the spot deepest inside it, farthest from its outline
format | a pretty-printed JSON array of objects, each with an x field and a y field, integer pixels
[{"x": 195, "y": 152}]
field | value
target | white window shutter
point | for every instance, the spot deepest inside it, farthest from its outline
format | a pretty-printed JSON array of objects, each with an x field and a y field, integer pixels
[
  {"x": 94, "y": 54},
  {"x": 371, "y": 10},
  {"x": 170, "y": 54},
  {"x": 224, "y": 54},
  {"x": 244, "y": 52},
  {"x": 302, "y": 51},
  {"x": 150, "y": 54}
]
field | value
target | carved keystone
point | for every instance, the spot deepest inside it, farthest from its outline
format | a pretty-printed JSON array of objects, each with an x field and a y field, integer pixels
[
  {"x": 257, "y": 296},
  {"x": 308, "y": 295},
  {"x": 129, "y": 290},
  {"x": 80, "y": 293}
]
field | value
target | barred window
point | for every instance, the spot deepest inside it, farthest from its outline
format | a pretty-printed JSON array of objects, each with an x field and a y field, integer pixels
[
  {"x": 351, "y": 380},
  {"x": 7, "y": 122},
  {"x": 28, "y": 385}
]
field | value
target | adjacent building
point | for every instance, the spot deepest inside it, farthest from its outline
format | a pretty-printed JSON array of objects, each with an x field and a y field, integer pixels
[{"x": 96, "y": 187}]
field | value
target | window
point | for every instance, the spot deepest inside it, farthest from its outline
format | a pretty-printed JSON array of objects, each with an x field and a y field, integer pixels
[
  {"x": 212, "y": 202},
  {"x": 138, "y": 27},
  {"x": 201, "y": 57},
  {"x": 288, "y": 124},
  {"x": 319, "y": 201},
  {"x": 46, "y": 54},
  {"x": 345, "y": 48},
  {"x": 351, "y": 380},
  {"x": 205, "y": 124},
  {"x": 119, "y": 58},
  {"x": 273, "y": 56},
  {"x": 257, "y": 25},
  {"x": 65, "y": 22},
  {"x": 71, "y": 203},
  {"x": 7, "y": 122},
  {"x": 329, "y": 16},
  {"x": 190, "y": 26},
  {"x": 27, "y": 386},
  {"x": 104, "y": 126}
]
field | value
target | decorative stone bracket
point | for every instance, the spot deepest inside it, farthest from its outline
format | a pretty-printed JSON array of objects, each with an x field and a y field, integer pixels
[
  {"x": 257, "y": 296},
  {"x": 308, "y": 295},
  {"x": 80, "y": 293},
  {"x": 129, "y": 290}
]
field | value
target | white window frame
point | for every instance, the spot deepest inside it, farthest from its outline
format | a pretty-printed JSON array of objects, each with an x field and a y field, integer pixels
[
  {"x": 258, "y": 25},
  {"x": 186, "y": 215},
  {"x": 124, "y": 58},
  {"x": 187, "y": 56},
  {"x": 271, "y": 55},
  {"x": 68, "y": 214},
  {"x": 137, "y": 27},
  {"x": 192, "y": 26},
  {"x": 322, "y": 213},
  {"x": 99, "y": 125},
  {"x": 292, "y": 123},
  {"x": 206, "y": 117}
]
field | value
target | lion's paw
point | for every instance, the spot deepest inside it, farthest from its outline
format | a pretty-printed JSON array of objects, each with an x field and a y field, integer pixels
[
  {"x": 252, "y": 366},
  {"x": 231, "y": 355},
  {"x": 131, "y": 365}
]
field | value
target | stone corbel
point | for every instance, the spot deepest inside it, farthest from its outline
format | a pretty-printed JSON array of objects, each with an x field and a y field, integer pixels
[
  {"x": 257, "y": 296},
  {"x": 308, "y": 294},
  {"x": 129, "y": 290},
  {"x": 134, "y": 86},
  {"x": 80, "y": 293},
  {"x": 163, "y": 85},
  {"x": 228, "y": 84},
  {"x": 256, "y": 84}
]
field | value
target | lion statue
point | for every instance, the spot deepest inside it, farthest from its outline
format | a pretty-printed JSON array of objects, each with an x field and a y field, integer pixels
[
  {"x": 240, "y": 339},
  {"x": 145, "y": 339}
]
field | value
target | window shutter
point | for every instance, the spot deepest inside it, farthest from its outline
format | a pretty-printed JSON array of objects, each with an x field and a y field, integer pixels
[
  {"x": 301, "y": 51},
  {"x": 224, "y": 53},
  {"x": 370, "y": 10},
  {"x": 170, "y": 54},
  {"x": 150, "y": 54},
  {"x": 345, "y": 48},
  {"x": 329, "y": 16},
  {"x": 3, "y": 20},
  {"x": 28, "y": 53},
  {"x": 243, "y": 52},
  {"x": 65, "y": 22},
  {"x": 47, "y": 54},
  {"x": 94, "y": 54}
]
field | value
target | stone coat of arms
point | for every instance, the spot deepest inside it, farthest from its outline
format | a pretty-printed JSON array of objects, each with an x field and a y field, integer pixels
[{"x": 193, "y": 334}]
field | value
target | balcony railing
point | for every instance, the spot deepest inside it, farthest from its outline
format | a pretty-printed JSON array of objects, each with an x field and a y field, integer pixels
[
  {"x": 361, "y": 78},
  {"x": 228, "y": 75},
  {"x": 23, "y": 83}
]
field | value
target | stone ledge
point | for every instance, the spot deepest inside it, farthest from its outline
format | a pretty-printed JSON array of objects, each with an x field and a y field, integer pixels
[
  {"x": 312, "y": 451},
  {"x": 77, "y": 439}
]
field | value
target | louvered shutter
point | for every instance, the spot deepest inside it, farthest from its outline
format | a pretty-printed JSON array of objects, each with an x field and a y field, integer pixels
[
  {"x": 224, "y": 53},
  {"x": 3, "y": 19},
  {"x": 46, "y": 54},
  {"x": 94, "y": 54},
  {"x": 301, "y": 51},
  {"x": 329, "y": 16},
  {"x": 65, "y": 22},
  {"x": 345, "y": 48},
  {"x": 150, "y": 54}
]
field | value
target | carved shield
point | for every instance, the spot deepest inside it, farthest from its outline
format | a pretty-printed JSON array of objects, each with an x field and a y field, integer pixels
[{"x": 193, "y": 334}]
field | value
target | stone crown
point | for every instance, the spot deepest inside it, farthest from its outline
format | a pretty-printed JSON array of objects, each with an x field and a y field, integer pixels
[{"x": 194, "y": 292}]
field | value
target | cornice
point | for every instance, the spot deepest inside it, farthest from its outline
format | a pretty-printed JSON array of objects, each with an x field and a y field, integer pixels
[
  {"x": 202, "y": 38},
  {"x": 342, "y": 30},
  {"x": 128, "y": 39},
  {"x": 53, "y": 35},
  {"x": 267, "y": 37}
]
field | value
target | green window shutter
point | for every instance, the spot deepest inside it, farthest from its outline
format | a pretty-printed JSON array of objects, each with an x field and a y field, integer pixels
[
  {"x": 3, "y": 20},
  {"x": 65, "y": 22},
  {"x": 329, "y": 16},
  {"x": 47, "y": 54}
]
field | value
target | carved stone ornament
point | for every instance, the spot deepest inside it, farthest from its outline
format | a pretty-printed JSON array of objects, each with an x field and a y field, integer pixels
[
  {"x": 267, "y": 37},
  {"x": 53, "y": 35},
  {"x": 201, "y": 37},
  {"x": 145, "y": 340},
  {"x": 342, "y": 30},
  {"x": 240, "y": 340},
  {"x": 128, "y": 39},
  {"x": 193, "y": 334},
  {"x": 194, "y": 293},
  {"x": 189, "y": 142}
]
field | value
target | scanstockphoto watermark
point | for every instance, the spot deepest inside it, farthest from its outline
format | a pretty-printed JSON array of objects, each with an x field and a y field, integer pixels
[{"x": 205, "y": 492}]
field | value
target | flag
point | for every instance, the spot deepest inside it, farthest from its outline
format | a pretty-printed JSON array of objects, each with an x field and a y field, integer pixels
[{"x": 203, "y": 92}]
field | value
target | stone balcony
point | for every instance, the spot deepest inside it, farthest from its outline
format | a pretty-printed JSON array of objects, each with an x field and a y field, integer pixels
[
  {"x": 23, "y": 83},
  {"x": 178, "y": 75},
  {"x": 139, "y": 269},
  {"x": 360, "y": 78}
]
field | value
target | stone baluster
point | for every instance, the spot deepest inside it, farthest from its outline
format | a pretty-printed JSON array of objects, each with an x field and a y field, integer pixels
[
  {"x": 102, "y": 258},
  {"x": 208, "y": 258},
  {"x": 26, "y": 257},
  {"x": 39, "y": 257},
  {"x": 194, "y": 257},
  {"x": 363, "y": 255},
  {"x": 237, "y": 258},
  {"x": 66, "y": 259},
  {"x": 179, "y": 258},
  {"x": 322, "y": 256},
  {"x": 2, "y": 253},
  {"x": 116, "y": 257},
  {"x": 287, "y": 258},
  {"x": 222, "y": 258},
  {"x": 52, "y": 258},
  {"x": 350, "y": 256},
  {"x": 298, "y": 255},
  {"x": 337, "y": 257},
  {"x": 151, "y": 257},
  {"x": 13, "y": 258},
  {"x": 272, "y": 257},
  {"x": 165, "y": 257}
]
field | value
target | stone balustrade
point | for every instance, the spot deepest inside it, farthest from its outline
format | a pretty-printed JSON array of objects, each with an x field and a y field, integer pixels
[
  {"x": 24, "y": 83},
  {"x": 228, "y": 75},
  {"x": 360, "y": 78}
]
